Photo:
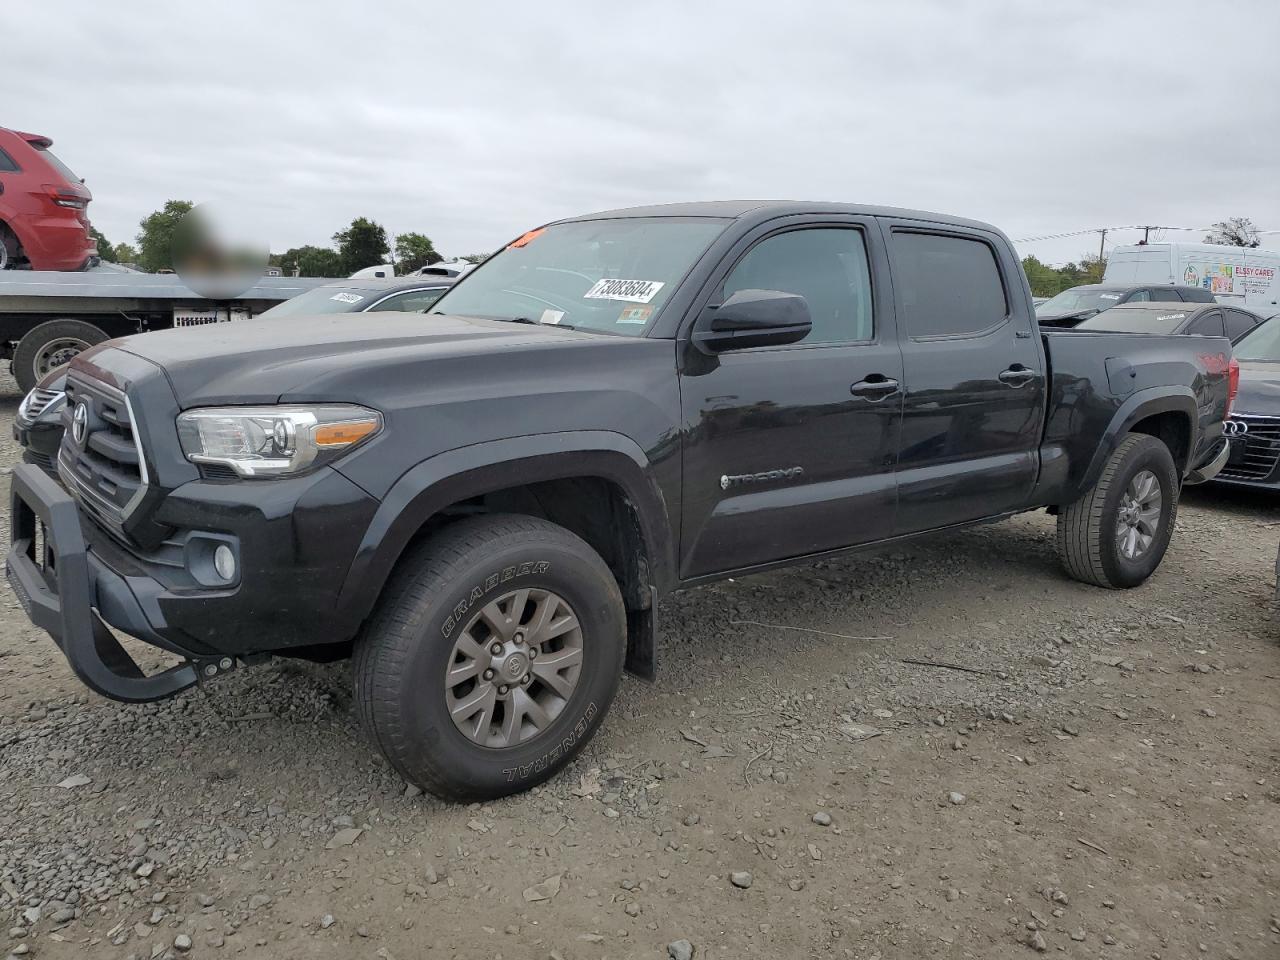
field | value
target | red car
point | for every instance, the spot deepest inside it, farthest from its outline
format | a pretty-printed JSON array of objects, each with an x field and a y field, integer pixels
[{"x": 43, "y": 220}]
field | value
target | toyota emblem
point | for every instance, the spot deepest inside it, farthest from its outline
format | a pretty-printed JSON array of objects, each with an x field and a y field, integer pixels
[{"x": 80, "y": 424}]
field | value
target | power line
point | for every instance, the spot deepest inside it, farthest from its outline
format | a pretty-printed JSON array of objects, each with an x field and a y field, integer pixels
[{"x": 1105, "y": 230}]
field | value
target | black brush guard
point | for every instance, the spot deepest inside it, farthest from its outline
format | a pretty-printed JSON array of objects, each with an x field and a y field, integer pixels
[{"x": 57, "y": 584}]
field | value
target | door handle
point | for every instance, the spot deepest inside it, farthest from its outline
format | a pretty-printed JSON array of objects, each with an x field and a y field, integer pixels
[
  {"x": 1017, "y": 375},
  {"x": 875, "y": 387}
]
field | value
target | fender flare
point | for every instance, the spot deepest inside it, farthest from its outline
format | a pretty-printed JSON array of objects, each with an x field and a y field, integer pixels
[
  {"x": 481, "y": 468},
  {"x": 1143, "y": 404}
]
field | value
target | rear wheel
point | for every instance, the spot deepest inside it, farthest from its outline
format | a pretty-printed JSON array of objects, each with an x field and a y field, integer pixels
[
  {"x": 50, "y": 345},
  {"x": 492, "y": 657},
  {"x": 1117, "y": 533}
]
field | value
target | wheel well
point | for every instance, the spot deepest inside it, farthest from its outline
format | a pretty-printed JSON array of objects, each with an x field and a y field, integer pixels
[
  {"x": 597, "y": 510},
  {"x": 600, "y": 512},
  {"x": 1174, "y": 430},
  {"x": 8, "y": 231}
]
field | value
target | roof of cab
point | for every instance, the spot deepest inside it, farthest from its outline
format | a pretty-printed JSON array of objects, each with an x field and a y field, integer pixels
[{"x": 760, "y": 210}]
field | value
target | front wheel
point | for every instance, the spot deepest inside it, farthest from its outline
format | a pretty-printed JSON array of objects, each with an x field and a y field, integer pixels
[
  {"x": 492, "y": 657},
  {"x": 1117, "y": 533}
]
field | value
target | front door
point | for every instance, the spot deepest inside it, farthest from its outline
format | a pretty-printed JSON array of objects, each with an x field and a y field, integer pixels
[{"x": 790, "y": 450}]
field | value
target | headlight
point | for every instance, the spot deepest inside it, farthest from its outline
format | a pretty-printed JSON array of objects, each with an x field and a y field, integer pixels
[{"x": 274, "y": 441}]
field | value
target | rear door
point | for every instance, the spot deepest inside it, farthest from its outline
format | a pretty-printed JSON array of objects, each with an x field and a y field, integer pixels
[{"x": 974, "y": 382}]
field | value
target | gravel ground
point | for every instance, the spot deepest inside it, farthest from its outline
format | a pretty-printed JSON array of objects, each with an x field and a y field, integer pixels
[{"x": 1101, "y": 779}]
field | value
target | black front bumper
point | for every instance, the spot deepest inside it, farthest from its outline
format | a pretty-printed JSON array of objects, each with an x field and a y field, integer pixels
[{"x": 62, "y": 588}]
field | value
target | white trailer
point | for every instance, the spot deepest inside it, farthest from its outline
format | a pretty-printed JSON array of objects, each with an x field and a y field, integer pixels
[
  {"x": 47, "y": 317},
  {"x": 1242, "y": 276}
]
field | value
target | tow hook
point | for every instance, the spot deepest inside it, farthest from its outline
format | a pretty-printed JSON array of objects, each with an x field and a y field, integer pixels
[{"x": 207, "y": 668}]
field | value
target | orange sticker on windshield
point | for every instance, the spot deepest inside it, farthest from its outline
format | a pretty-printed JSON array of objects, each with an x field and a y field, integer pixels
[{"x": 526, "y": 238}]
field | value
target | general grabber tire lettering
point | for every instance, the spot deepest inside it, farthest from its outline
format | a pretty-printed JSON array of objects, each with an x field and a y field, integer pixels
[
  {"x": 492, "y": 657},
  {"x": 1117, "y": 533}
]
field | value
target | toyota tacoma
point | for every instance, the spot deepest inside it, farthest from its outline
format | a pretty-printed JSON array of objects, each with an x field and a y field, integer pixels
[{"x": 484, "y": 505}]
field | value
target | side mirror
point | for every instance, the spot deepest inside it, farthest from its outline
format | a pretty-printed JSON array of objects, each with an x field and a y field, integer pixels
[{"x": 753, "y": 318}]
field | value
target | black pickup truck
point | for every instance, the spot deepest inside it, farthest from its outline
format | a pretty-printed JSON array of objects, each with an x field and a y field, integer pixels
[{"x": 484, "y": 504}]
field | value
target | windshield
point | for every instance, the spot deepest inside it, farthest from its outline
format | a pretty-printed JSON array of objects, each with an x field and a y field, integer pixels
[
  {"x": 1074, "y": 301},
  {"x": 326, "y": 299},
  {"x": 1262, "y": 343},
  {"x": 612, "y": 275}
]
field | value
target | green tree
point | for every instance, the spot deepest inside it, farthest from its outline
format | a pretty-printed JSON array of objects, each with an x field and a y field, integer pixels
[
  {"x": 310, "y": 261},
  {"x": 1093, "y": 267},
  {"x": 125, "y": 253},
  {"x": 155, "y": 239},
  {"x": 105, "y": 250},
  {"x": 1234, "y": 232},
  {"x": 476, "y": 258},
  {"x": 1043, "y": 278},
  {"x": 363, "y": 244},
  {"x": 413, "y": 251}
]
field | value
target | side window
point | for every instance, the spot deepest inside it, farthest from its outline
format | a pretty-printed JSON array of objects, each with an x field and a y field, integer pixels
[
  {"x": 414, "y": 301},
  {"x": 1239, "y": 323},
  {"x": 1206, "y": 325},
  {"x": 827, "y": 266},
  {"x": 1162, "y": 295},
  {"x": 1139, "y": 296},
  {"x": 949, "y": 286},
  {"x": 7, "y": 164}
]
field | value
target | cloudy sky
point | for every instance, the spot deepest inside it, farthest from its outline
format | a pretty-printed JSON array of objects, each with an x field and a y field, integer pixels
[{"x": 474, "y": 123}]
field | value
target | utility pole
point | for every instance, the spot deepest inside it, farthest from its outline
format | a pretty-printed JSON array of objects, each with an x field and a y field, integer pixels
[
  {"x": 1146, "y": 234},
  {"x": 1102, "y": 244}
]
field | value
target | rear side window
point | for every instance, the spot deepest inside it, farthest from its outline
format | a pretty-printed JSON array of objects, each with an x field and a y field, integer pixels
[
  {"x": 948, "y": 286},
  {"x": 1163, "y": 295},
  {"x": 1239, "y": 323},
  {"x": 1196, "y": 295},
  {"x": 7, "y": 164},
  {"x": 1206, "y": 325},
  {"x": 413, "y": 301}
]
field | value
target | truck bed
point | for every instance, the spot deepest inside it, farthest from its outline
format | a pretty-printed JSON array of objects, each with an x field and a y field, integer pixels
[{"x": 1095, "y": 375}]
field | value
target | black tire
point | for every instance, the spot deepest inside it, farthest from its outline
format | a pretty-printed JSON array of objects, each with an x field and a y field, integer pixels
[
  {"x": 31, "y": 358},
  {"x": 1087, "y": 529},
  {"x": 406, "y": 647}
]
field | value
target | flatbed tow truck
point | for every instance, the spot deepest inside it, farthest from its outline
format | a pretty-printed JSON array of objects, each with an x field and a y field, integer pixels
[{"x": 47, "y": 317}]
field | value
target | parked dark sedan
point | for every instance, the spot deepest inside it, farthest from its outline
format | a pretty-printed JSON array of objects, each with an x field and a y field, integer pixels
[
  {"x": 1079, "y": 303},
  {"x": 38, "y": 425},
  {"x": 407, "y": 294},
  {"x": 1194, "y": 319},
  {"x": 1255, "y": 416}
]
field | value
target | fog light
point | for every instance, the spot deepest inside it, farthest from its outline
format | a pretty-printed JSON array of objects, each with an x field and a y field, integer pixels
[{"x": 224, "y": 561}]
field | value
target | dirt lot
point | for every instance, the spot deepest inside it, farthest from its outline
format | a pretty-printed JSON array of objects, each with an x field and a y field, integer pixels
[{"x": 1103, "y": 780}]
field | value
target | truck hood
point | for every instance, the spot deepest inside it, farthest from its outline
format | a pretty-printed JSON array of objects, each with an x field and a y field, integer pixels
[
  {"x": 263, "y": 362},
  {"x": 1259, "y": 388}
]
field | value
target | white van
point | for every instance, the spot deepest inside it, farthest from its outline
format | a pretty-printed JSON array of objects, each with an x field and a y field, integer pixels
[{"x": 1241, "y": 276}]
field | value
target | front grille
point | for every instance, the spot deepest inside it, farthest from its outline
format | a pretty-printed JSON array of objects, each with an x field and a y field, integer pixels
[
  {"x": 103, "y": 465},
  {"x": 37, "y": 402},
  {"x": 1254, "y": 456}
]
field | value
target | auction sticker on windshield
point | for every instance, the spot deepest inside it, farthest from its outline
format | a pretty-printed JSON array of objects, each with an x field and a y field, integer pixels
[
  {"x": 347, "y": 297},
  {"x": 632, "y": 291}
]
